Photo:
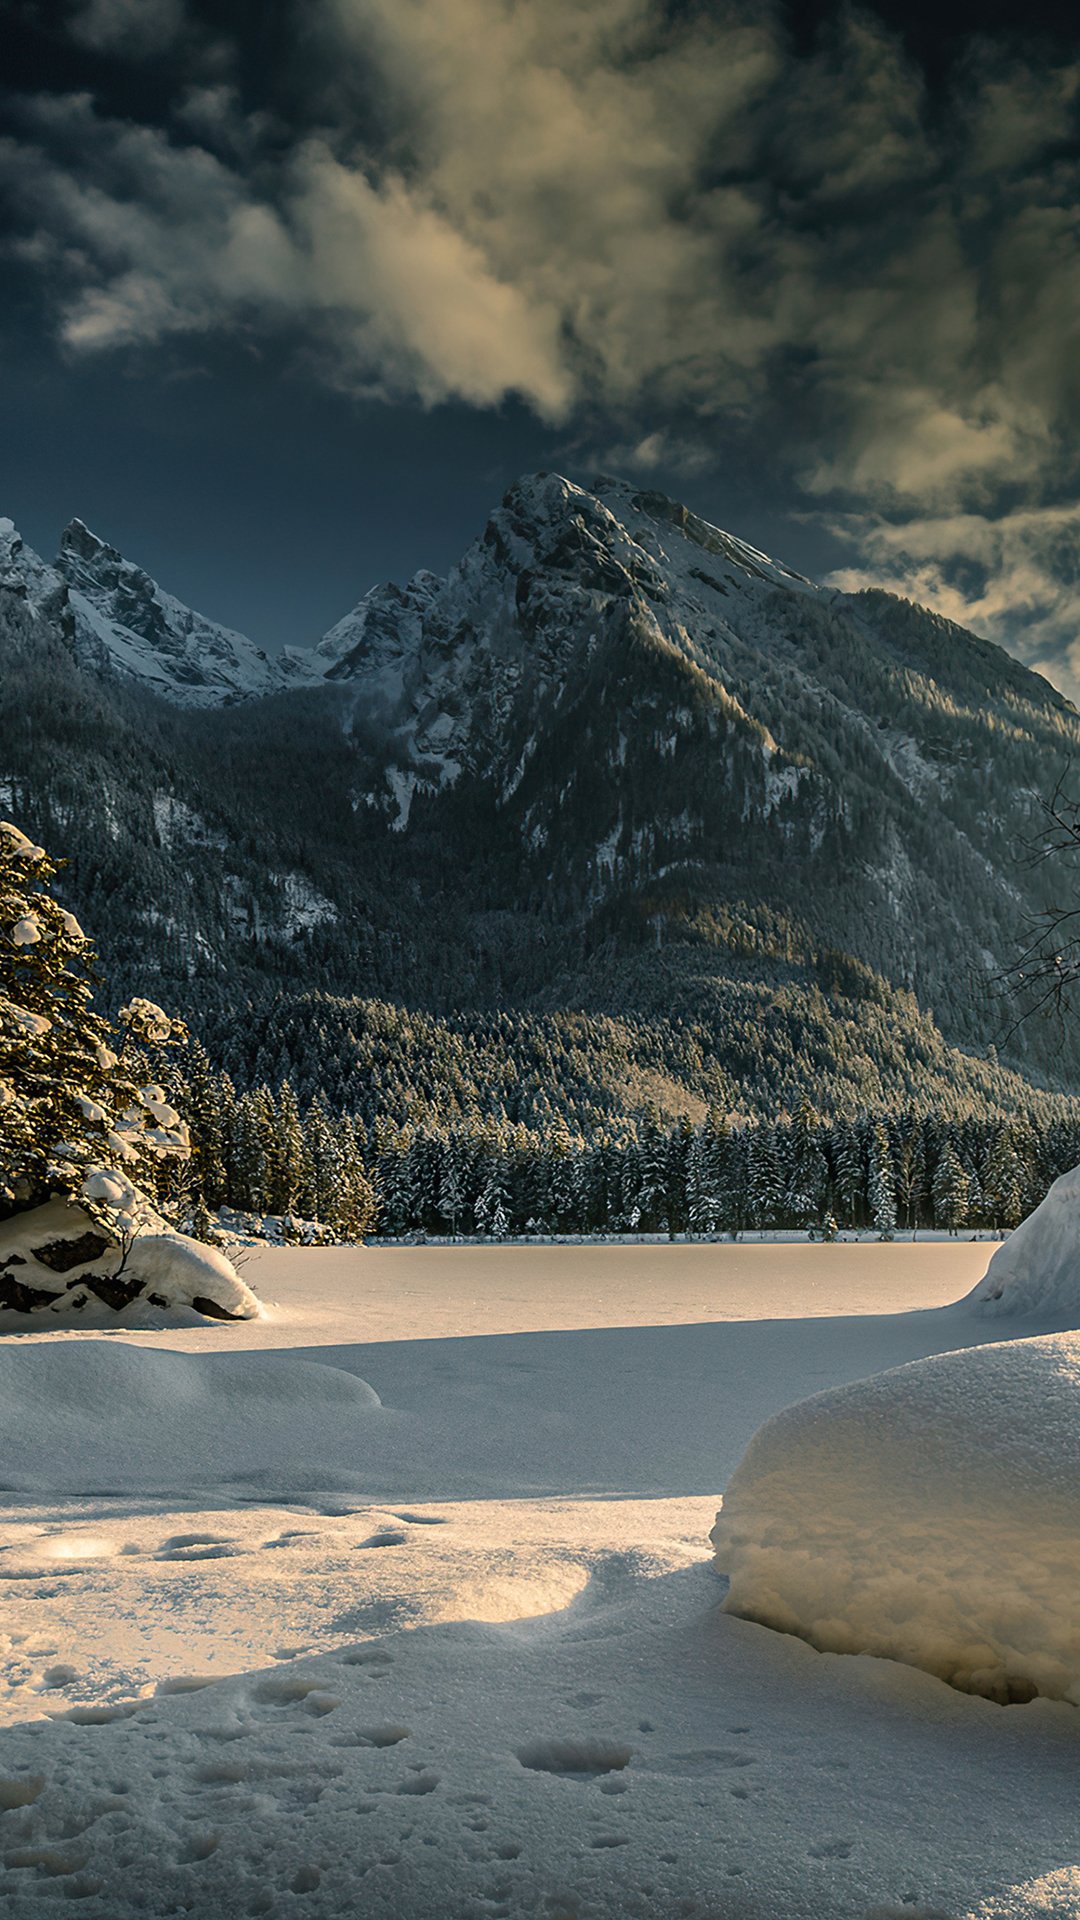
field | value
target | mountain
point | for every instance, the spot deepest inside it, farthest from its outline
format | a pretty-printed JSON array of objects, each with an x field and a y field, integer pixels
[
  {"x": 621, "y": 804},
  {"x": 119, "y": 621}
]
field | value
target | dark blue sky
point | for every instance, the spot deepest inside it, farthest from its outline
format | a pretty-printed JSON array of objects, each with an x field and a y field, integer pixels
[{"x": 292, "y": 296}]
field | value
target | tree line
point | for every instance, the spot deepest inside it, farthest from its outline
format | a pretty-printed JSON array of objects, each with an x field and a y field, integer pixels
[{"x": 259, "y": 1152}]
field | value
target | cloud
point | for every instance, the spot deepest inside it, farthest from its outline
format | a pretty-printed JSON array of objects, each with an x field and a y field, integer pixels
[
  {"x": 134, "y": 29},
  {"x": 665, "y": 226},
  {"x": 1014, "y": 577}
]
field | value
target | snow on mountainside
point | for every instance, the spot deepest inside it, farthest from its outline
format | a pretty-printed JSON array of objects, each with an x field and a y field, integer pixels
[
  {"x": 611, "y": 729},
  {"x": 117, "y": 619},
  {"x": 440, "y": 662}
]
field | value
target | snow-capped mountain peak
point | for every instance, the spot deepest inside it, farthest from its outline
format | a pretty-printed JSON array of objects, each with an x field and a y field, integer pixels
[
  {"x": 25, "y": 574},
  {"x": 440, "y": 664},
  {"x": 126, "y": 623}
]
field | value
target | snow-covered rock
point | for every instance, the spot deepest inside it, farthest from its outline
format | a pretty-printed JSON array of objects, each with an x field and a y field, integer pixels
[
  {"x": 1037, "y": 1270},
  {"x": 59, "y": 1262},
  {"x": 930, "y": 1515}
]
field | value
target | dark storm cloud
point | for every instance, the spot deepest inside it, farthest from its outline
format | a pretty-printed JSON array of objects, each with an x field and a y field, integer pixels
[{"x": 660, "y": 229}]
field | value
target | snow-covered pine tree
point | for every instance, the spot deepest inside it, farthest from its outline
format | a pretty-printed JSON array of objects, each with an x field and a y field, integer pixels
[
  {"x": 71, "y": 1103},
  {"x": 950, "y": 1189},
  {"x": 1003, "y": 1181},
  {"x": 881, "y": 1184},
  {"x": 766, "y": 1179},
  {"x": 492, "y": 1206},
  {"x": 808, "y": 1176},
  {"x": 702, "y": 1204}
]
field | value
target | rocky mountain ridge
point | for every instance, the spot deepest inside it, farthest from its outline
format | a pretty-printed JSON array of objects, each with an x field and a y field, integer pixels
[
  {"x": 119, "y": 621},
  {"x": 617, "y": 760}
]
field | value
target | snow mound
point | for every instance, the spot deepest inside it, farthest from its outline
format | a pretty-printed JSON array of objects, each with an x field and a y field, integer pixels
[
  {"x": 930, "y": 1515},
  {"x": 1037, "y": 1270},
  {"x": 99, "y": 1414},
  {"x": 59, "y": 1263}
]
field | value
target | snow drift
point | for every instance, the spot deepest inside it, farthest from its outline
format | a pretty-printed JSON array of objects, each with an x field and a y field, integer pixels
[
  {"x": 1037, "y": 1270},
  {"x": 59, "y": 1262},
  {"x": 930, "y": 1514},
  {"x": 87, "y": 1415}
]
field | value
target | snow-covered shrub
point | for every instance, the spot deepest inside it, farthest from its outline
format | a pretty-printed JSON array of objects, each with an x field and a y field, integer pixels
[
  {"x": 930, "y": 1515},
  {"x": 1037, "y": 1270},
  {"x": 59, "y": 1262}
]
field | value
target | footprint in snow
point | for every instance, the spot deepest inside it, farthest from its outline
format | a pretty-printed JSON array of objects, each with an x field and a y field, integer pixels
[
  {"x": 197, "y": 1546},
  {"x": 588, "y": 1756}
]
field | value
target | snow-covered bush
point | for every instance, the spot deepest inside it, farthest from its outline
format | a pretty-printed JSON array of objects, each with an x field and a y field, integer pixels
[
  {"x": 1037, "y": 1270},
  {"x": 59, "y": 1263},
  {"x": 930, "y": 1515}
]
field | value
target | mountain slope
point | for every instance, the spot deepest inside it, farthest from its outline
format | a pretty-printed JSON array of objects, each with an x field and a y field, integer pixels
[{"x": 618, "y": 762}]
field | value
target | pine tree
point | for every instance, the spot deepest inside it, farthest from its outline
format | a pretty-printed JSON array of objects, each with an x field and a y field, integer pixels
[
  {"x": 70, "y": 1096},
  {"x": 950, "y": 1189},
  {"x": 809, "y": 1175},
  {"x": 881, "y": 1184},
  {"x": 452, "y": 1188},
  {"x": 492, "y": 1209},
  {"x": 766, "y": 1183},
  {"x": 1003, "y": 1181}
]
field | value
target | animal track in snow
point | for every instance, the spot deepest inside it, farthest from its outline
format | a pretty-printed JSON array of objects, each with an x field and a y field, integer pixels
[
  {"x": 705, "y": 1760},
  {"x": 197, "y": 1546},
  {"x": 420, "y": 1780},
  {"x": 574, "y": 1756},
  {"x": 370, "y": 1656},
  {"x": 15, "y": 1792},
  {"x": 199, "y": 1846},
  {"x": 288, "y": 1689},
  {"x": 59, "y": 1676},
  {"x": 385, "y": 1735}
]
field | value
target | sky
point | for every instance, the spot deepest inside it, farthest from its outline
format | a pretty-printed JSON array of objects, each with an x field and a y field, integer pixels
[{"x": 293, "y": 289}]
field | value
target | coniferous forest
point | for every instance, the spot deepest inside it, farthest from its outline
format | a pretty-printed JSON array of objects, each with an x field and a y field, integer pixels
[{"x": 885, "y": 1173}]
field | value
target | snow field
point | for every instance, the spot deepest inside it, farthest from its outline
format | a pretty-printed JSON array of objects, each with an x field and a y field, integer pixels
[
  {"x": 637, "y": 1753},
  {"x": 476, "y": 1663}
]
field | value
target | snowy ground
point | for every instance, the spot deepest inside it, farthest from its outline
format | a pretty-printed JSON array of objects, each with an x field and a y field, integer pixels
[{"x": 464, "y": 1649}]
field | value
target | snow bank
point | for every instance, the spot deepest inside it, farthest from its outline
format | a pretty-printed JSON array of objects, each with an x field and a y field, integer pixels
[
  {"x": 57, "y": 1262},
  {"x": 99, "y": 1414},
  {"x": 930, "y": 1514},
  {"x": 1037, "y": 1270}
]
